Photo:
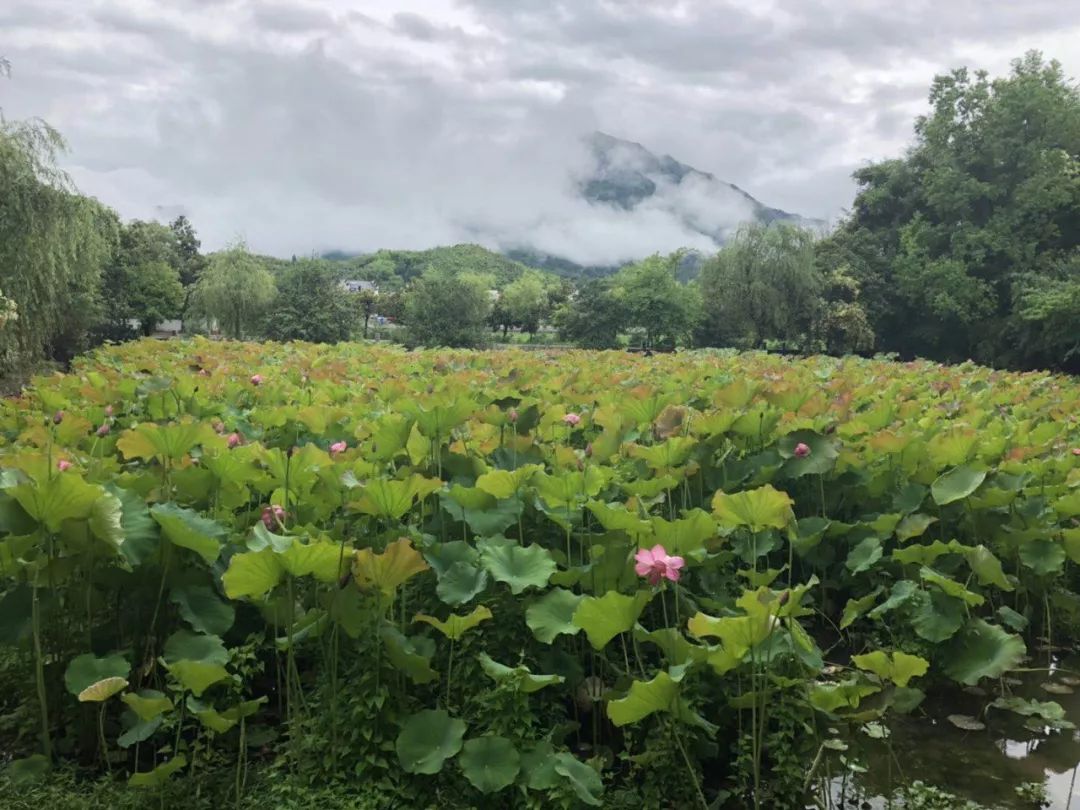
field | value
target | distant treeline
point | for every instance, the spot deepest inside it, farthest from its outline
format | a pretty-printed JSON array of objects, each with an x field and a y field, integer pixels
[{"x": 967, "y": 247}]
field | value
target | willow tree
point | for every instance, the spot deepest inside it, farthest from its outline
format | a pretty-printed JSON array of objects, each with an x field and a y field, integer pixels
[
  {"x": 763, "y": 285},
  {"x": 53, "y": 245},
  {"x": 234, "y": 291}
]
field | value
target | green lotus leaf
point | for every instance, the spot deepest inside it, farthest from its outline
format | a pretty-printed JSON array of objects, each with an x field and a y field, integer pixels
[
  {"x": 185, "y": 645},
  {"x": 951, "y": 587},
  {"x": 677, "y": 650},
  {"x": 200, "y": 606},
  {"x": 173, "y": 442},
  {"x": 389, "y": 435},
  {"x": 443, "y": 555},
  {"x": 1042, "y": 555},
  {"x": 489, "y": 516},
  {"x": 320, "y": 559},
  {"x": 901, "y": 593},
  {"x": 686, "y": 536},
  {"x": 410, "y": 655},
  {"x": 87, "y": 671},
  {"x": 387, "y": 571},
  {"x": 106, "y": 520},
  {"x": 1012, "y": 619},
  {"x": 756, "y": 509},
  {"x": 520, "y": 567},
  {"x": 847, "y": 695},
  {"x": 188, "y": 529},
  {"x": 437, "y": 421},
  {"x": 857, "y": 607},
  {"x": 899, "y": 667},
  {"x": 673, "y": 452},
  {"x": 864, "y": 555},
  {"x": 927, "y": 554},
  {"x": 456, "y": 626},
  {"x": 210, "y": 717},
  {"x": 461, "y": 583},
  {"x": 538, "y": 766},
  {"x": 427, "y": 739},
  {"x": 986, "y": 567},
  {"x": 616, "y": 517},
  {"x": 490, "y": 763},
  {"x": 391, "y": 499},
  {"x": 603, "y": 618},
  {"x": 520, "y": 676},
  {"x": 643, "y": 699},
  {"x": 553, "y": 615},
  {"x": 956, "y": 484},
  {"x": 584, "y": 780},
  {"x": 142, "y": 535},
  {"x": 504, "y": 484},
  {"x": 982, "y": 650},
  {"x": 935, "y": 615},
  {"x": 197, "y": 676},
  {"x": 1047, "y": 710},
  {"x": 160, "y": 775},
  {"x": 821, "y": 459},
  {"x": 253, "y": 574},
  {"x": 139, "y": 730},
  {"x": 56, "y": 499},
  {"x": 912, "y": 526},
  {"x": 147, "y": 703}
]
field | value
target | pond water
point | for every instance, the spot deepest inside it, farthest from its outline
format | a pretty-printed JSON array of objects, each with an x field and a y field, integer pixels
[{"x": 985, "y": 766}]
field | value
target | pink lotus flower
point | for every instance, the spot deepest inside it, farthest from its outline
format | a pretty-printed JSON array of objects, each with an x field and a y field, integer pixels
[
  {"x": 58, "y": 417},
  {"x": 802, "y": 450},
  {"x": 656, "y": 564},
  {"x": 273, "y": 516},
  {"x": 63, "y": 464},
  {"x": 234, "y": 440},
  {"x": 512, "y": 416},
  {"x": 256, "y": 379},
  {"x": 103, "y": 430},
  {"x": 571, "y": 419},
  {"x": 338, "y": 447}
]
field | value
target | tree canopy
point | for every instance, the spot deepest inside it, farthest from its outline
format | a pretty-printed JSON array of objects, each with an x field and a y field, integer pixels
[
  {"x": 967, "y": 246},
  {"x": 310, "y": 305},
  {"x": 235, "y": 291},
  {"x": 444, "y": 309}
]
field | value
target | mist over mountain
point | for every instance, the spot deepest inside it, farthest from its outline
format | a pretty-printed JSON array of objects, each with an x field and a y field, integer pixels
[{"x": 619, "y": 202}]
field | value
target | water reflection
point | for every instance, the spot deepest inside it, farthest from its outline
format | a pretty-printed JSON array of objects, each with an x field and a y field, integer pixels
[{"x": 984, "y": 766}]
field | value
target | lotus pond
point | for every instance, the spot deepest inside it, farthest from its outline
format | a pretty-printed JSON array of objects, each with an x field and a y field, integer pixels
[{"x": 525, "y": 580}]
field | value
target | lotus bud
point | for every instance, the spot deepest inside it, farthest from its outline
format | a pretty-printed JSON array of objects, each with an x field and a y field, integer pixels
[
  {"x": 63, "y": 464},
  {"x": 234, "y": 440},
  {"x": 802, "y": 450},
  {"x": 256, "y": 379},
  {"x": 103, "y": 430},
  {"x": 58, "y": 417},
  {"x": 338, "y": 447},
  {"x": 512, "y": 416}
]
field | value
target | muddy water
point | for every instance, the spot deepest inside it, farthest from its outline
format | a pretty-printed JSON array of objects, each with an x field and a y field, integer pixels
[{"x": 984, "y": 766}]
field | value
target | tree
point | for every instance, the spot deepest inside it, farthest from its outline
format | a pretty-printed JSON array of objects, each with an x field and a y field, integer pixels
[
  {"x": 526, "y": 302},
  {"x": 442, "y": 309},
  {"x": 53, "y": 246},
  {"x": 952, "y": 243},
  {"x": 310, "y": 305},
  {"x": 654, "y": 301},
  {"x": 593, "y": 317},
  {"x": 763, "y": 285},
  {"x": 234, "y": 291},
  {"x": 190, "y": 263},
  {"x": 142, "y": 281},
  {"x": 366, "y": 302}
]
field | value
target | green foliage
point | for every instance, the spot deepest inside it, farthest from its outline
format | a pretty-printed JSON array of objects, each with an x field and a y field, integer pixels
[
  {"x": 234, "y": 292},
  {"x": 310, "y": 305},
  {"x": 663, "y": 310},
  {"x": 593, "y": 318},
  {"x": 443, "y": 309},
  {"x": 53, "y": 246},
  {"x": 464, "y": 607},
  {"x": 967, "y": 246},
  {"x": 762, "y": 286}
]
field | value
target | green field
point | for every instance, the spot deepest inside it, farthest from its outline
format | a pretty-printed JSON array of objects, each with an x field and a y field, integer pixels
[{"x": 514, "y": 579}]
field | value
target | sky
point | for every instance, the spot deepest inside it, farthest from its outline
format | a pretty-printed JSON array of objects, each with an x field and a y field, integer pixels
[{"x": 301, "y": 126}]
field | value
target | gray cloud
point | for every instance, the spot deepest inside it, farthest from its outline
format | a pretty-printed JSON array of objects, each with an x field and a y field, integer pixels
[{"x": 314, "y": 124}]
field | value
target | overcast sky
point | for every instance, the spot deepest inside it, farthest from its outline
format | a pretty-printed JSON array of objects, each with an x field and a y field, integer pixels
[{"x": 304, "y": 125}]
